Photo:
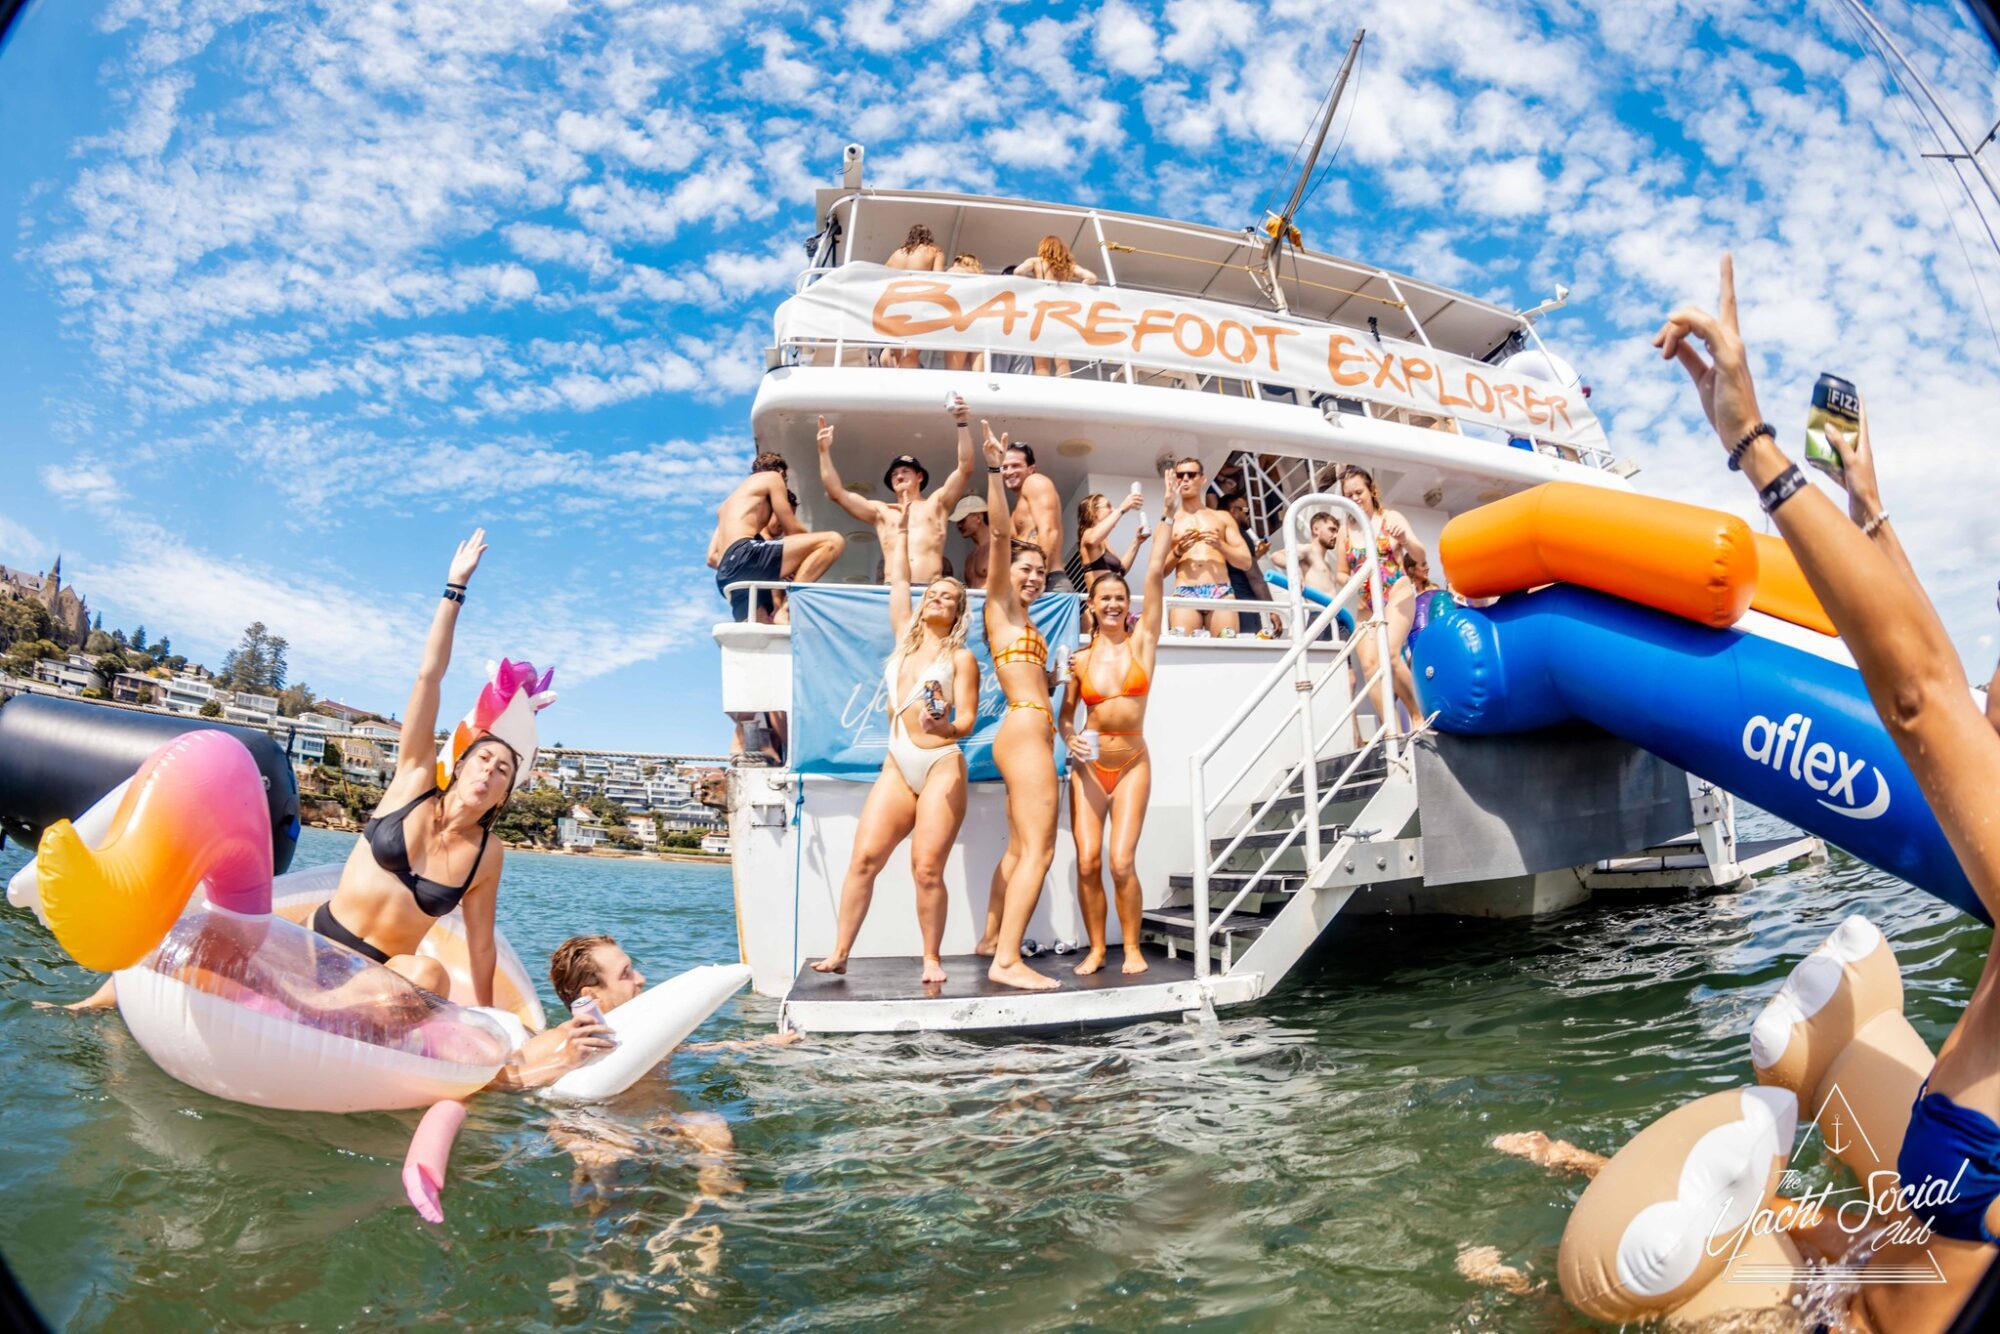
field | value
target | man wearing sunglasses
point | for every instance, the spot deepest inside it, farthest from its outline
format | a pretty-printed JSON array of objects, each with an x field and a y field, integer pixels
[{"x": 1206, "y": 544}]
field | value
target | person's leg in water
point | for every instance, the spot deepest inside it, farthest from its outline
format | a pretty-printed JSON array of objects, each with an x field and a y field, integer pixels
[
  {"x": 1088, "y": 810},
  {"x": 1128, "y": 818},
  {"x": 1027, "y": 765},
  {"x": 940, "y": 813},
  {"x": 1558, "y": 1155},
  {"x": 103, "y": 998},
  {"x": 886, "y": 818}
]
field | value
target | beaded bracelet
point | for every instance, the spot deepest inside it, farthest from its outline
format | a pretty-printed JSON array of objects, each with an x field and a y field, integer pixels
[
  {"x": 1736, "y": 450},
  {"x": 1874, "y": 525}
]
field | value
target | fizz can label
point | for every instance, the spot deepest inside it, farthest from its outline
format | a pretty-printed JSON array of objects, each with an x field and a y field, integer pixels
[{"x": 1834, "y": 402}]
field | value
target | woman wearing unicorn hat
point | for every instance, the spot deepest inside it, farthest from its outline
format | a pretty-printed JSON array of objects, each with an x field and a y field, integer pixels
[{"x": 429, "y": 846}]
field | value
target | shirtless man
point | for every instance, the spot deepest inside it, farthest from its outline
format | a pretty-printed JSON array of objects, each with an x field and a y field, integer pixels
[
  {"x": 1206, "y": 543},
  {"x": 919, "y": 252},
  {"x": 1037, "y": 512},
  {"x": 739, "y": 552},
  {"x": 1317, "y": 555},
  {"x": 906, "y": 480},
  {"x": 970, "y": 520}
]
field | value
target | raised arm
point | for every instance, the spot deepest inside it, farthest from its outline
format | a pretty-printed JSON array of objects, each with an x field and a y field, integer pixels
[
  {"x": 949, "y": 494},
  {"x": 894, "y": 534},
  {"x": 829, "y": 477},
  {"x": 1906, "y": 659},
  {"x": 1131, "y": 556},
  {"x": 417, "y": 748},
  {"x": 1000, "y": 524},
  {"x": 1097, "y": 534},
  {"x": 1153, "y": 606}
]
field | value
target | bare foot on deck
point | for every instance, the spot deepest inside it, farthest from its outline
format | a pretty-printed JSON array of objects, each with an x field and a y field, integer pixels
[
  {"x": 987, "y": 947},
  {"x": 1091, "y": 963},
  {"x": 933, "y": 969},
  {"x": 1019, "y": 975},
  {"x": 831, "y": 964},
  {"x": 1555, "y": 1154},
  {"x": 1135, "y": 962},
  {"x": 1482, "y": 1265}
]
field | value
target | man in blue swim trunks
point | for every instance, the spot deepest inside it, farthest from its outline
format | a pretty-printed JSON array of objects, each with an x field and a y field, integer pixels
[{"x": 739, "y": 553}]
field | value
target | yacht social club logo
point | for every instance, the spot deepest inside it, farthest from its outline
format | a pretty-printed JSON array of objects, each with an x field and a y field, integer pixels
[
  {"x": 1786, "y": 746},
  {"x": 1883, "y": 1211}
]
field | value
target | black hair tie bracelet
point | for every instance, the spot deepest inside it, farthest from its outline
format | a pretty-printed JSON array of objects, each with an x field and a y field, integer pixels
[{"x": 1736, "y": 451}]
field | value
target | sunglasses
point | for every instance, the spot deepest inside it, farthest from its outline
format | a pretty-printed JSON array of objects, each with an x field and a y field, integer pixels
[{"x": 1187, "y": 476}]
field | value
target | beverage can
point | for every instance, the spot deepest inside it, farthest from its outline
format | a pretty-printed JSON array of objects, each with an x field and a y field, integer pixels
[
  {"x": 1062, "y": 664},
  {"x": 1834, "y": 402},
  {"x": 586, "y": 1007},
  {"x": 1089, "y": 737},
  {"x": 934, "y": 699},
  {"x": 1135, "y": 488}
]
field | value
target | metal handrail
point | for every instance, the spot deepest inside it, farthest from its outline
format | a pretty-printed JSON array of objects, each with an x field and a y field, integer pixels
[{"x": 1296, "y": 665}]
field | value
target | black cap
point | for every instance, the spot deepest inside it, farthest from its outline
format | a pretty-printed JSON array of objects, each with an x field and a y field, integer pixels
[{"x": 905, "y": 461}]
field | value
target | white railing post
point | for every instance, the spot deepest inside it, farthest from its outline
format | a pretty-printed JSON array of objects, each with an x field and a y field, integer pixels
[
  {"x": 1103, "y": 251},
  {"x": 1198, "y": 798}
]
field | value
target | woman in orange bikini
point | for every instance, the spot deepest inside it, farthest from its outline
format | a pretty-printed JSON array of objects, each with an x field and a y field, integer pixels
[
  {"x": 1393, "y": 540},
  {"x": 1024, "y": 745},
  {"x": 1113, "y": 677}
]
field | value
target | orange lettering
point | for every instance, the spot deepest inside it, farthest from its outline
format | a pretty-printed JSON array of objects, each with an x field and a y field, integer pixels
[
  {"x": 1476, "y": 386},
  {"x": 1418, "y": 369},
  {"x": 1271, "y": 333},
  {"x": 1447, "y": 399},
  {"x": 1101, "y": 314},
  {"x": 1200, "y": 349},
  {"x": 1557, "y": 403},
  {"x": 1151, "y": 322},
  {"x": 1222, "y": 332},
  {"x": 1507, "y": 394},
  {"x": 1002, "y": 307},
  {"x": 1338, "y": 354},
  {"x": 1062, "y": 312},
  {"x": 1385, "y": 373},
  {"x": 913, "y": 291},
  {"x": 1531, "y": 404}
]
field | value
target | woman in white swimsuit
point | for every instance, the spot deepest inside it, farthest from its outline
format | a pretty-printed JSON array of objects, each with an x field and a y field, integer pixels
[{"x": 921, "y": 792}]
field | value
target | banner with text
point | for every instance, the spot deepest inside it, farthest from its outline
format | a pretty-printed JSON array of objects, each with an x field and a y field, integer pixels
[
  {"x": 871, "y": 303},
  {"x": 840, "y": 705}
]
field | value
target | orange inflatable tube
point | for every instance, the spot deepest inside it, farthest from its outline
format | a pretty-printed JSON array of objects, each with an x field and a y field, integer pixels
[{"x": 1699, "y": 564}]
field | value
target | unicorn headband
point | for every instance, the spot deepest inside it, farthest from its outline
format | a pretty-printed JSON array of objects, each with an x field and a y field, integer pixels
[{"x": 505, "y": 711}]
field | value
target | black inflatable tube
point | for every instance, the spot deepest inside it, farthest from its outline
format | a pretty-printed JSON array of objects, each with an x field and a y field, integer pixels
[{"x": 59, "y": 756}]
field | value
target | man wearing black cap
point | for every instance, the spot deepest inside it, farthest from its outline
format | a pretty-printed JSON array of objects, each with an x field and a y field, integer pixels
[{"x": 906, "y": 480}]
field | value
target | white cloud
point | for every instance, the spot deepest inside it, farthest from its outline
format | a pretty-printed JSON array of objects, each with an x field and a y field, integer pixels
[
  {"x": 19, "y": 547},
  {"x": 1125, "y": 41},
  {"x": 83, "y": 482}
]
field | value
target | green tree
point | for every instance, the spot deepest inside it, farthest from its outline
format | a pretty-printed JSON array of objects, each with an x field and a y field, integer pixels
[
  {"x": 25, "y": 653},
  {"x": 97, "y": 621},
  {"x": 296, "y": 699},
  {"x": 211, "y": 708},
  {"x": 174, "y": 662},
  {"x": 163, "y": 648},
  {"x": 24, "y": 619},
  {"x": 334, "y": 755},
  {"x": 91, "y": 692},
  {"x": 138, "y": 640},
  {"x": 109, "y": 665},
  {"x": 531, "y": 816},
  {"x": 248, "y": 665},
  {"x": 100, "y": 642}
]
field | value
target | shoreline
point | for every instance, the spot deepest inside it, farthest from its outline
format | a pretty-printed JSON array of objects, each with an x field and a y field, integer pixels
[{"x": 676, "y": 855}]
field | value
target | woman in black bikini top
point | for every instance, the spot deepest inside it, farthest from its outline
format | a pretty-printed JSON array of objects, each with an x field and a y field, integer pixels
[{"x": 429, "y": 847}]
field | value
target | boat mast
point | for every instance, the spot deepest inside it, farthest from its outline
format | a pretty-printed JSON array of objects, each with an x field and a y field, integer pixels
[
  {"x": 1280, "y": 227},
  {"x": 1967, "y": 152}
]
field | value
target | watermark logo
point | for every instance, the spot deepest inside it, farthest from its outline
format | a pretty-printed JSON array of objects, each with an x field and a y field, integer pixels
[
  {"x": 1787, "y": 747},
  {"x": 1883, "y": 1211}
]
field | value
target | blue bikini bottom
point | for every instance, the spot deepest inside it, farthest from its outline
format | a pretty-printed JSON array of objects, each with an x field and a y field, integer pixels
[{"x": 1944, "y": 1140}]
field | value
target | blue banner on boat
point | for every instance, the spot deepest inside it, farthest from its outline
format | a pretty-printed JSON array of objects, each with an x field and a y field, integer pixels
[{"x": 840, "y": 712}]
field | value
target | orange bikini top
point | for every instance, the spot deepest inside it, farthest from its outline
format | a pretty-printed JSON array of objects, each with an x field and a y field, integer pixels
[
  {"x": 1135, "y": 684},
  {"x": 1030, "y": 647}
]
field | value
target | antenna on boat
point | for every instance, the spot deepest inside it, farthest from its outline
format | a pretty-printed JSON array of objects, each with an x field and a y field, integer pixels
[
  {"x": 1880, "y": 38},
  {"x": 1278, "y": 226}
]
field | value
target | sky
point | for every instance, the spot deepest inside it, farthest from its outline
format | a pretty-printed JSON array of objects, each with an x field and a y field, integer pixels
[{"x": 294, "y": 296}]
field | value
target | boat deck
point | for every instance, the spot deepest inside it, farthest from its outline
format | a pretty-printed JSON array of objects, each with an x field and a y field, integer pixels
[{"x": 884, "y": 995}]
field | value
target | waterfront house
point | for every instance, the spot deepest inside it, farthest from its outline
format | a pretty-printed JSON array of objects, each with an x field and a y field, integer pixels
[
  {"x": 70, "y": 676},
  {"x": 135, "y": 688},
  {"x": 186, "y": 693},
  {"x": 716, "y": 843}
]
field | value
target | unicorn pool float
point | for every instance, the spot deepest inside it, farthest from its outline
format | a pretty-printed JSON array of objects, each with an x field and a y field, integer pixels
[
  {"x": 240, "y": 999},
  {"x": 1688, "y": 1223}
]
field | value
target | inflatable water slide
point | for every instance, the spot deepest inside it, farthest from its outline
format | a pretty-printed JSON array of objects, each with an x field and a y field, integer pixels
[{"x": 1622, "y": 611}]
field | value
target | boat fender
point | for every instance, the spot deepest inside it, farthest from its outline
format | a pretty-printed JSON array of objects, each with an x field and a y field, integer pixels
[{"x": 648, "y": 1027}]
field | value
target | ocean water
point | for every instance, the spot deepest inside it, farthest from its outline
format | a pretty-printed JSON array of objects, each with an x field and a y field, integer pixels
[{"x": 1313, "y": 1164}]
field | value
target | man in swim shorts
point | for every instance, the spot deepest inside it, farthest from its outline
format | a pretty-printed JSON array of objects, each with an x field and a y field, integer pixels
[
  {"x": 1207, "y": 543},
  {"x": 739, "y": 552}
]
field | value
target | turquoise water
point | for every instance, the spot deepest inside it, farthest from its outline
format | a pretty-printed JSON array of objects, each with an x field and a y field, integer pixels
[{"x": 1316, "y": 1163}]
